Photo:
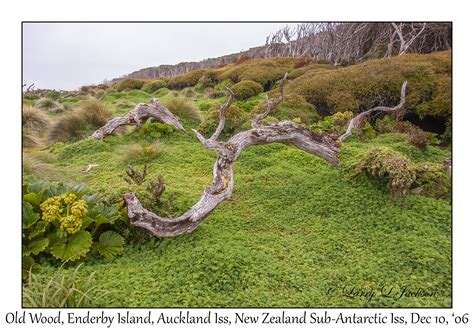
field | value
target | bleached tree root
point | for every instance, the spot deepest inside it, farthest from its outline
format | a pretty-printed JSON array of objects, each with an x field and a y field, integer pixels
[
  {"x": 138, "y": 117},
  {"x": 287, "y": 132}
]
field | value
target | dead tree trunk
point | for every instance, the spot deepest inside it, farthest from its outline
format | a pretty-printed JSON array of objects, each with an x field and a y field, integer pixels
[
  {"x": 138, "y": 117},
  {"x": 287, "y": 132}
]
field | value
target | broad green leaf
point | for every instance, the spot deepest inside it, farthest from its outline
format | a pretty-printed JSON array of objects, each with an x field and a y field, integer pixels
[
  {"x": 73, "y": 247},
  {"x": 29, "y": 217},
  {"x": 34, "y": 198},
  {"x": 110, "y": 244},
  {"x": 37, "y": 229},
  {"x": 37, "y": 246}
]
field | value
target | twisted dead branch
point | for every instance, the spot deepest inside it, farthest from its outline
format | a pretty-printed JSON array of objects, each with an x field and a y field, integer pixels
[
  {"x": 287, "y": 132},
  {"x": 138, "y": 117}
]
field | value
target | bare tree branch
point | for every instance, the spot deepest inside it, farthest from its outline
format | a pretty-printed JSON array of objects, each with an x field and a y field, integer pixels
[
  {"x": 271, "y": 105},
  {"x": 355, "y": 122},
  {"x": 138, "y": 117}
]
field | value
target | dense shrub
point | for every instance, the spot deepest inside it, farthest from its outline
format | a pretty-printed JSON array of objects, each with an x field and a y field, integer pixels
[
  {"x": 302, "y": 61},
  {"x": 432, "y": 180},
  {"x": 234, "y": 119},
  {"x": 242, "y": 58},
  {"x": 34, "y": 119},
  {"x": 389, "y": 164},
  {"x": 415, "y": 135},
  {"x": 186, "y": 80},
  {"x": 208, "y": 79},
  {"x": 129, "y": 84},
  {"x": 293, "y": 74},
  {"x": 66, "y": 221},
  {"x": 153, "y": 86},
  {"x": 90, "y": 115},
  {"x": 246, "y": 89},
  {"x": 183, "y": 109},
  {"x": 215, "y": 94},
  {"x": 49, "y": 105},
  {"x": 263, "y": 71},
  {"x": 375, "y": 82}
]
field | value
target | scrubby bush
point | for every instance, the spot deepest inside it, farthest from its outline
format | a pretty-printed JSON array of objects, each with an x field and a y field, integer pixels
[
  {"x": 234, "y": 118},
  {"x": 153, "y": 86},
  {"x": 215, "y": 94},
  {"x": 90, "y": 115},
  {"x": 129, "y": 84},
  {"x": 49, "y": 105},
  {"x": 140, "y": 153},
  {"x": 295, "y": 106},
  {"x": 414, "y": 135},
  {"x": 302, "y": 61},
  {"x": 34, "y": 119},
  {"x": 66, "y": 221},
  {"x": 186, "y": 80},
  {"x": 376, "y": 82},
  {"x": 208, "y": 79},
  {"x": 183, "y": 109},
  {"x": 432, "y": 180},
  {"x": 389, "y": 164},
  {"x": 297, "y": 72},
  {"x": 246, "y": 89},
  {"x": 266, "y": 72}
]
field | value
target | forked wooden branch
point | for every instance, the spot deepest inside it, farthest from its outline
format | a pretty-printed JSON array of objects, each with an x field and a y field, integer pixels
[
  {"x": 287, "y": 132},
  {"x": 138, "y": 117},
  {"x": 355, "y": 122}
]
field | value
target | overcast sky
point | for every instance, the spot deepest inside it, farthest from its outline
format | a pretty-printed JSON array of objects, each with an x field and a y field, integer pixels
[{"x": 70, "y": 55}]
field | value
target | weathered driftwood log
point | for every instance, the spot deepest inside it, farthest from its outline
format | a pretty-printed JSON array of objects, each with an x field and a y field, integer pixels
[
  {"x": 287, "y": 132},
  {"x": 138, "y": 117}
]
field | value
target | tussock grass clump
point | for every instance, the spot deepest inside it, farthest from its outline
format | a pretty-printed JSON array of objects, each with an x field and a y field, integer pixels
[
  {"x": 48, "y": 104},
  {"x": 246, "y": 89},
  {"x": 34, "y": 119},
  {"x": 90, "y": 115},
  {"x": 34, "y": 165},
  {"x": 140, "y": 153},
  {"x": 183, "y": 109},
  {"x": 62, "y": 289},
  {"x": 30, "y": 138}
]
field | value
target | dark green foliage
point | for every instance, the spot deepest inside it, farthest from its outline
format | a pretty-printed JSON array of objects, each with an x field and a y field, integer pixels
[
  {"x": 153, "y": 86},
  {"x": 246, "y": 89},
  {"x": 376, "y": 82},
  {"x": 234, "y": 119},
  {"x": 62, "y": 220},
  {"x": 295, "y": 106},
  {"x": 152, "y": 131},
  {"x": 135, "y": 176},
  {"x": 129, "y": 84}
]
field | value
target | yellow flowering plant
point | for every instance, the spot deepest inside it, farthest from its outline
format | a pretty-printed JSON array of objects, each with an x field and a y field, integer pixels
[{"x": 67, "y": 222}]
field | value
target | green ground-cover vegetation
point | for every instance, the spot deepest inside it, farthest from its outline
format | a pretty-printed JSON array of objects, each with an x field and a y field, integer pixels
[{"x": 296, "y": 230}]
